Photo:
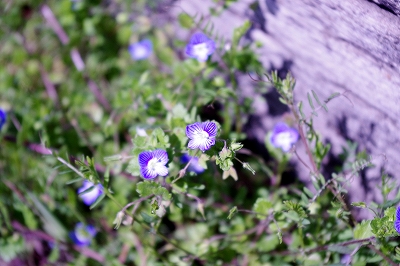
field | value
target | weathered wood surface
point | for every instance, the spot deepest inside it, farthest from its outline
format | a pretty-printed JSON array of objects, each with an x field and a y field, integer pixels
[{"x": 332, "y": 46}]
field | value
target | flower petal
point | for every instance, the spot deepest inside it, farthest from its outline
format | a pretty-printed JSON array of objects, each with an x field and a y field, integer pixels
[
  {"x": 206, "y": 144},
  {"x": 82, "y": 235},
  {"x": 398, "y": 213},
  {"x": 144, "y": 158},
  {"x": 161, "y": 170},
  {"x": 280, "y": 127},
  {"x": 161, "y": 155},
  {"x": 148, "y": 173},
  {"x": 210, "y": 128},
  {"x": 3, "y": 117},
  {"x": 283, "y": 136},
  {"x": 397, "y": 225},
  {"x": 194, "y": 143},
  {"x": 198, "y": 38},
  {"x": 140, "y": 50},
  {"x": 193, "y": 129},
  {"x": 90, "y": 197}
]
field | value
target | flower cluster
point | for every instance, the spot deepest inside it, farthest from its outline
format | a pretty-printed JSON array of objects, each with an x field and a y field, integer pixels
[
  {"x": 284, "y": 137},
  {"x": 83, "y": 234},
  {"x": 201, "y": 136},
  {"x": 200, "y": 47},
  {"x": 90, "y": 197},
  {"x": 397, "y": 220},
  {"x": 140, "y": 50}
]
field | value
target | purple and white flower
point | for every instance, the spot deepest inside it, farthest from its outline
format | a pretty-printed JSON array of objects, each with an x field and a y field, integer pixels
[
  {"x": 284, "y": 136},
  {"x": 397, "y": 220},
  {"x": 141, "y": 50},
  {"x": 83, "y": 234},
  {"x": 201, "y": 135},
  {"x": 152, "y": 164},
  {"x": 90, "y": 197},
  {"x": 3, "y": 117},
  {"x": 200, "y": 47},
  {"x": 194, "y": 165}
]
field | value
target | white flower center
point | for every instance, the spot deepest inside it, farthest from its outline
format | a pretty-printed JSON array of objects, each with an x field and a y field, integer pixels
[
  {"x": 154, "y": 164},
  {"x": 284, "y": 139},
  {"x": 203, "y": 135},
  {"x": 201, "y": 51},
  {"x": 82, "y": 235},
  {"x": 140, "y": 52}
]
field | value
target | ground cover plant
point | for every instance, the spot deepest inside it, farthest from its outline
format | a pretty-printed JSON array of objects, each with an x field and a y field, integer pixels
[{"x": 123, "y": 144}]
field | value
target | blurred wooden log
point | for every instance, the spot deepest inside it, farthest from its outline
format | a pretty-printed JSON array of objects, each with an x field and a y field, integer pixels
[{"x": 332, "y": 46}]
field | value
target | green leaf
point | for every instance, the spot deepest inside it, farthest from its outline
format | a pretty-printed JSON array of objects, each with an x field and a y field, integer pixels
[
  {"x": 133, "y": 167},
  {"x": 300, "y": 106},
  {"x": 359, "y": 204},
  {"x": 113, "y": 158},
  {"x": 147, "y": 218},
  {"x": 140, "y": 142},
  {"x": 268, "y": 243},
  {"x": 310, "y": 101},
  {"x": 333, "y": 95},
  {"x": 340, "y": 249},
  {"x": 74, "y": 180},
  {"x": 262, "y": 207},
  {"x": 50, "y": 223},
  {"x": 363, "y": 230},
  {"x": 232, "y": 211},
  {"x": 235, "y": 146},
  {"x": 147, "y": 188},
  {"x": 318, "y": 101},
  {"x": 239, "y": 32},
  {"x": 308, "y": 192},
  {"x": 297, "y": 208}
]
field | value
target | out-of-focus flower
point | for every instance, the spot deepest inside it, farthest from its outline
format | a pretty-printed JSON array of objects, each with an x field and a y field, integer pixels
[
  {"x": 90, "y": 197},
  {"x": 346, "y": 259},
  {"x": 194, "y": 165},
  {"x": 83, "y": 234},
  {"x": 200, "y": 47},
  {"x": 283, "y": 136},
  {"x": 140, "y": 50},
  {"x": 201, "y": 135},
  {"x": 397, "y": 220},
  {"x": 3, "y": 117},
  {"x": 152, "y": 163}
]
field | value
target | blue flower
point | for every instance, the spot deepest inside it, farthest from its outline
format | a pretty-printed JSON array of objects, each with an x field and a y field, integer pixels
[
  {"x": 200, "y": 47},
  {"x": 140, "y": 50},
  {"x": 194, "y": 165},
  {"x": 83, "y": 234},
  {"x": 201, "y": 135},
  {"x": 397, "y": 220},
  {"x": 3, "y": 117},
  {"x": 152, "y": 163},
  {"x": 90, "y": 197},
  {"x": 283, "y": 136}
]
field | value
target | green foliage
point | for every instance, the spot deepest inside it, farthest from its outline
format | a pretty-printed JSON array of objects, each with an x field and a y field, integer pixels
[
  {"x": 383, "y": 227},
  {"x": 262, "y": 207},
  {"x": 151, "y": 188},
  {"x": 80, "y": 108},
  {"x": 363, "y": 230}
]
